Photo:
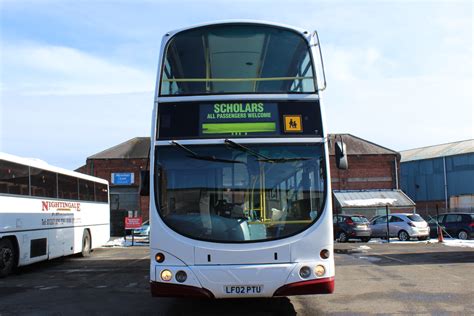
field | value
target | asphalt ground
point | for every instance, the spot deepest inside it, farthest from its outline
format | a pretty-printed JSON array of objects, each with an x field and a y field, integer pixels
[{"x": 393, "y": 279}]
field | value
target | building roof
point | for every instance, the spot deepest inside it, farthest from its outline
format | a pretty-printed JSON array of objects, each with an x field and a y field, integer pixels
[
  {"x": 358, "y": 146},
  {"x": 135, "y": 148},
  {"x": 373, "y": 198},
  {"x": 138, "y": 148},
  {"x": 444, "y": 150}
]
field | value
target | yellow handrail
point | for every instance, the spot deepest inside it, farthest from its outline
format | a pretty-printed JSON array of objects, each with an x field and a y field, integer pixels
[{"x": 234, "y": 79}]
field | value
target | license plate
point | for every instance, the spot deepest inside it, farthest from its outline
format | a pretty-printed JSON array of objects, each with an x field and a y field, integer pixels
[{"x": 243, "y": 289}]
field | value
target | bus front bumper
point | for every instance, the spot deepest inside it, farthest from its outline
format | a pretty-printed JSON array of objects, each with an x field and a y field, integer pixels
[{"x": 317, "y": 286}]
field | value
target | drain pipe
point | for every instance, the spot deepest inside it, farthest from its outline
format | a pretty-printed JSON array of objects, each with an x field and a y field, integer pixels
[
  {"x": 445, "y": 185},
  {"x": 396, "y": 172}
]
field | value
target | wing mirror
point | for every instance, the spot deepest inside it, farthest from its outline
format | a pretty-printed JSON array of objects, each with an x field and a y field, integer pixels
[{"x": 341, "y": 156}]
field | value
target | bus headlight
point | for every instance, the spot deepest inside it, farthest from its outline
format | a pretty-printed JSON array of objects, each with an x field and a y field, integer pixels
[
  {"x": 319, "y": 270},
  {"x": 305, "y": 272},
  {"x": 166, "y": 275}
]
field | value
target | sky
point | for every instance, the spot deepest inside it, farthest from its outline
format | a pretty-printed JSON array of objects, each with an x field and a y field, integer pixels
[{"x": 78, "y": 77}]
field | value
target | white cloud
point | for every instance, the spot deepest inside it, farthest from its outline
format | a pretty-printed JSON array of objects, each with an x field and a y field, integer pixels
[
  {"x": 65, "y": 129},
  {"x": 35, "y": 69},
  {"x": 402, "y": 113}
]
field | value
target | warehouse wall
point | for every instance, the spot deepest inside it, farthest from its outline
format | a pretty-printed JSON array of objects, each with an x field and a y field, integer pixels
[{"x": 423, "y": 180}]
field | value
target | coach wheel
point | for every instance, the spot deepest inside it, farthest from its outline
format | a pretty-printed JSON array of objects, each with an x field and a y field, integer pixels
[
  {"x": 342, "y": 237},
  {"x": 403, "y": 235},
  {"x": 86, "y": 244},
  {"x": 7, "y": 257},
  {"x": 462, "y": 235}
]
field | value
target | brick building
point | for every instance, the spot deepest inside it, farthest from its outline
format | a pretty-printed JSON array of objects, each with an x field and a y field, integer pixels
[
  {"x": 371, "y": 167},
  {"x": 121, "y": 166},
  {"x": 371, "y": 182}
]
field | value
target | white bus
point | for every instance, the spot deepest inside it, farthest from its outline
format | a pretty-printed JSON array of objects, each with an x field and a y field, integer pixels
[
  {"x": 240, "y": 202},
  {"x": 48, "y": 212}
]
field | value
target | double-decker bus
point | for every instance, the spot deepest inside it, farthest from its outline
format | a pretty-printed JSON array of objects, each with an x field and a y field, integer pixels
[
  {"x": 240, "y": 201},
  {"x": 48, "y": 212}
]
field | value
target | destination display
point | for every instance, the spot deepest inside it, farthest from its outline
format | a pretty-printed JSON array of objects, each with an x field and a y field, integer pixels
[
  {"x": 238, "y": 118},
  {"x": 256, "y": 118}
]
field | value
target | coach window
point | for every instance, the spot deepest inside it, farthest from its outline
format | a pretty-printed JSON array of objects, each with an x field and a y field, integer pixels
[
  {"x": 67, "y": 187},
  {"x": 13, "y": 178},
  {"x": 86, "y": 190},
  {"x": 101, "y": 192},
  {"x": 43, "y": 183}
]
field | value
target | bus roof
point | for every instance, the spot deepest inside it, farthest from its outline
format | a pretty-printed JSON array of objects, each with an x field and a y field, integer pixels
[
  {"x": 41, "y": 164},
  {"x": 240, "y": 21}
]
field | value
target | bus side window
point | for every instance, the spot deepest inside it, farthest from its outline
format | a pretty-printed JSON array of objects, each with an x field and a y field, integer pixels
[
  {"x": 43, "y": 183},
  {"x": 86, "y": 190},
  {"x": 13, "y": 178},
  {"x": 67, "y": 187},
  {"x": 101, "y": 192}
]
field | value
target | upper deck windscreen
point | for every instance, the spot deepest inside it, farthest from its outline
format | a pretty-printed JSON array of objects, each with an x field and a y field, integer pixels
[{"x": 237, "y": 58}]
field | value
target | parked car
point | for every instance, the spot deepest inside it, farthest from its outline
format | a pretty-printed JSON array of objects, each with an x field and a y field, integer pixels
[
  {"x": 351, "y": 226},
  {"x": 143, "y": 231},
  {"x": 403, "y": 226},
  {"x": 456, "y": 225}
]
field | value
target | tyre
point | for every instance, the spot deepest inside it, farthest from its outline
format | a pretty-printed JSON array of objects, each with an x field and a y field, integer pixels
[
  {"x": 365, "y": 239},
  {"x": 7, "y": 257},
  {"x": 343, "y": 237},
  {"x": 403, "y": 235},
  {"x": 462, "y": 234},
  {"x": 86, "y": 244}
]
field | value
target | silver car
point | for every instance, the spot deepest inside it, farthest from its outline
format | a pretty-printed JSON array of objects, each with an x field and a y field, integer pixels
[{"x": 403, "y": 226}]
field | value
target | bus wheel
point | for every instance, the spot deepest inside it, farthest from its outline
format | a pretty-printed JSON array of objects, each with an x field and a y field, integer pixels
[
  {"x": 7, "y": 257},
  {"x": 86, "y": 244}
]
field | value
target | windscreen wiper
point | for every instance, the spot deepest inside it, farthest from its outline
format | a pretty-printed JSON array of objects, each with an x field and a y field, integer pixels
[
  {"x": 261, "y": 157},
  {"x": 200, "y": 157},
  {"x": 245, "y": 149}
]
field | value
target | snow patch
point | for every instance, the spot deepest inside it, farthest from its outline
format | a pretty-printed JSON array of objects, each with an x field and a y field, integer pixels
[
  {"x": 121, "y": 242},
  {"x": 458, "y": 243},
  {"x": 447, "y": 242},
  {"x": 370, "y": 202}
]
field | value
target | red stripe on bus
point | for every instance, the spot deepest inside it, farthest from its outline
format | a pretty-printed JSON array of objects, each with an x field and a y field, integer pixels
[
  {"x": 159, "y": 289},
  {"x": 318, "y": 286}
]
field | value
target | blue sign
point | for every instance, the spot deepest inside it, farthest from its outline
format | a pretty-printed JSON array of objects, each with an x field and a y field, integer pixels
[{"x": 123, "y": 178}]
